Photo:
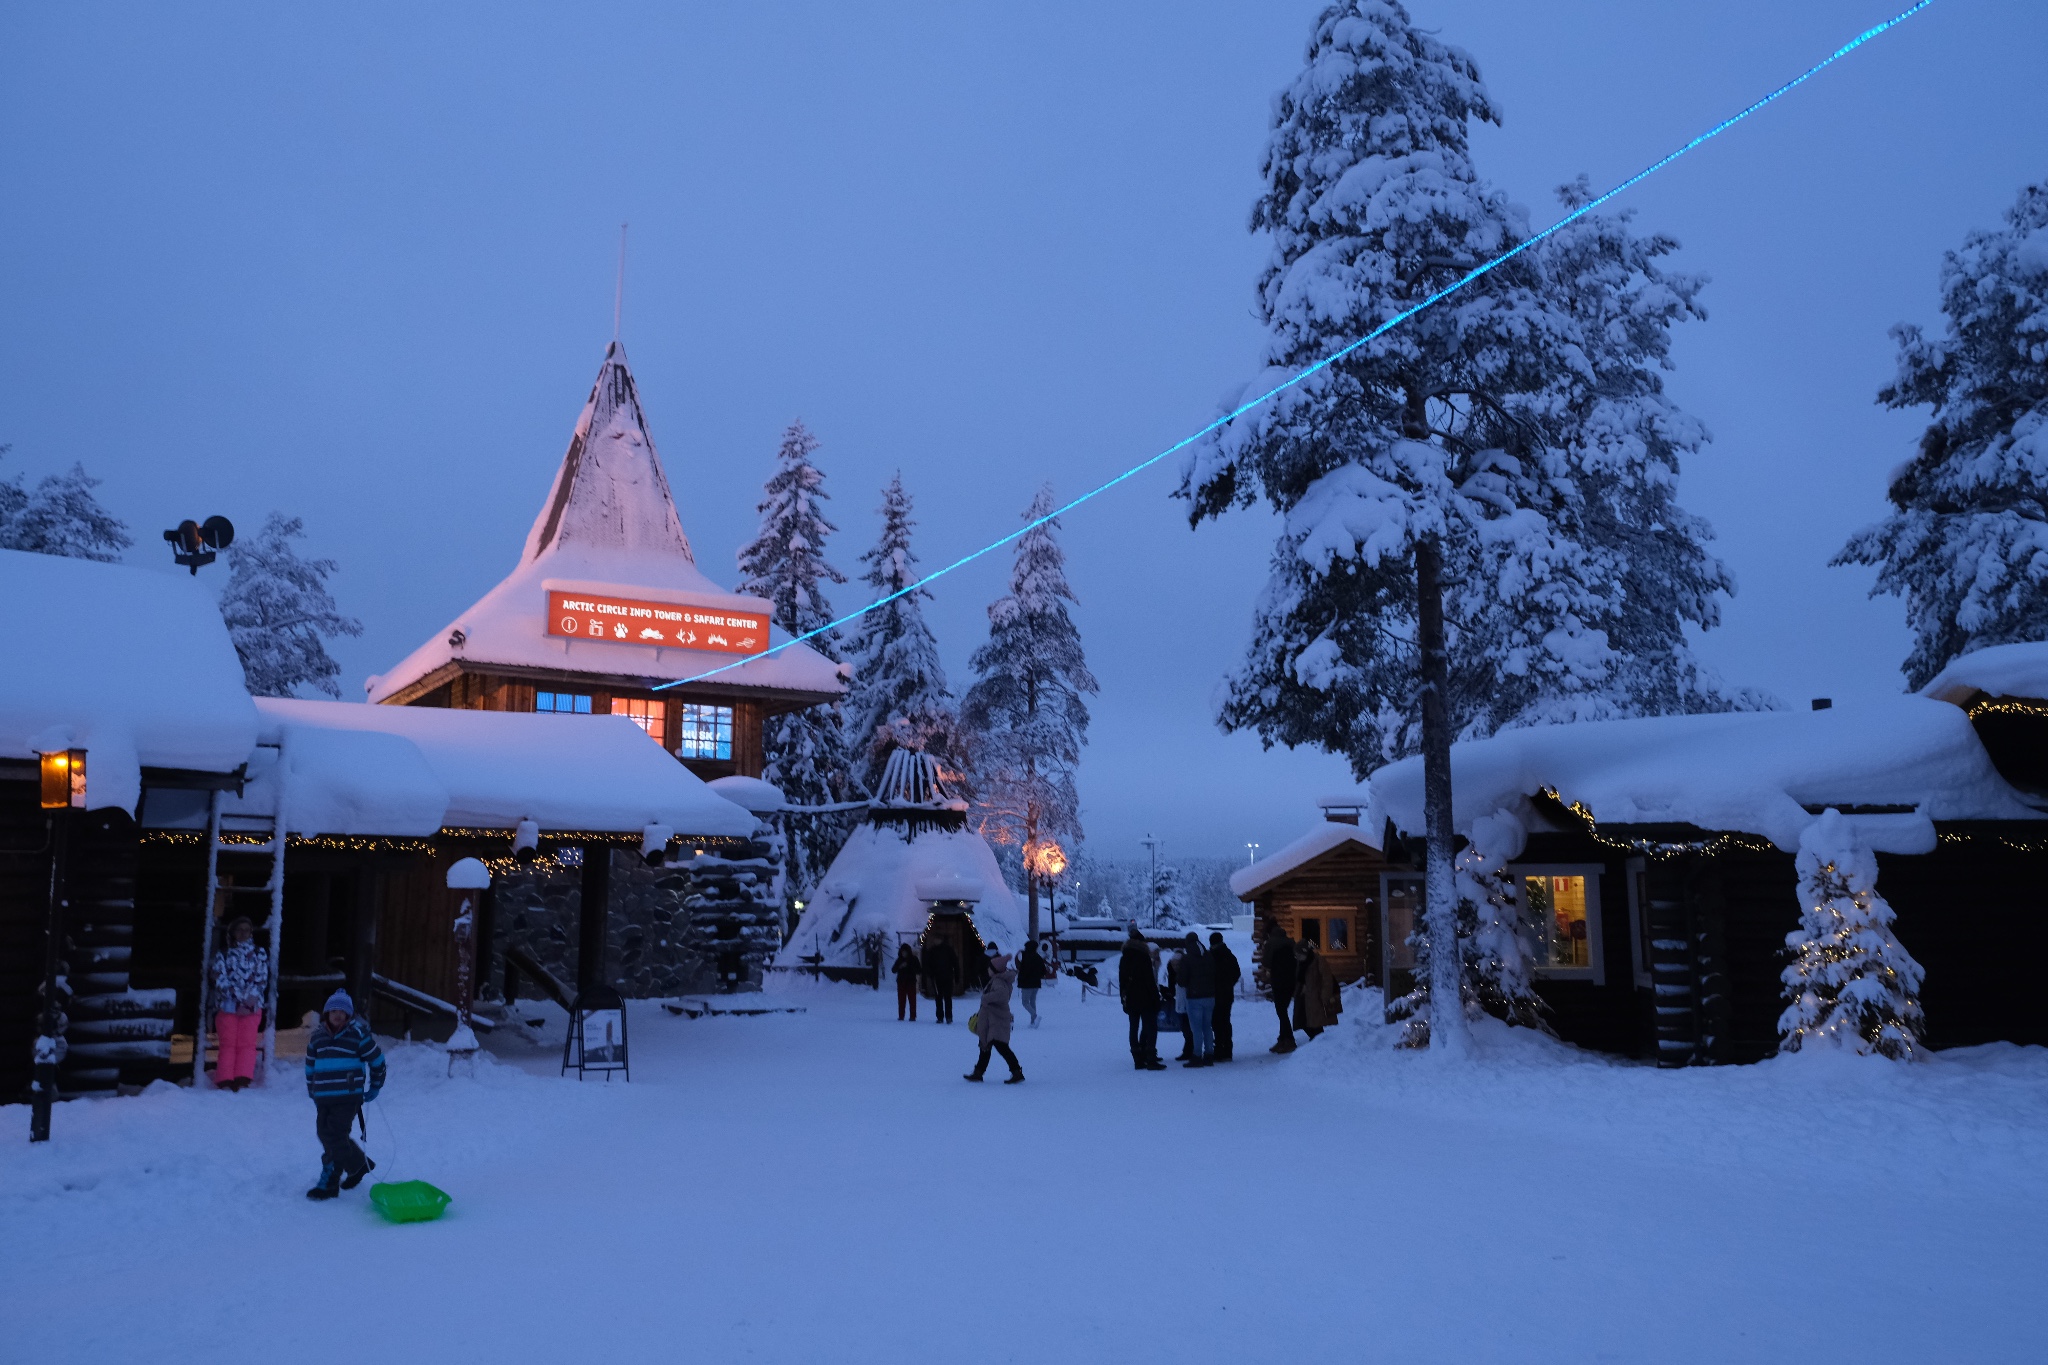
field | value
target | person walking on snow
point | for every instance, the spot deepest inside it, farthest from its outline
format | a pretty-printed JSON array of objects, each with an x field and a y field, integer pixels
[
  {"x": 1198, "y": 979},
  {"x": 1228, "y": 973},
  {"x": 906, "y": 982},
  {"x": 993, "y": 1018},
  {"x": 1278, "y": 960},
  {"x": 344, "y": 1071},
  {"x": 241, "y": 981},
  {"x": 941, "y": 970},
  {"x": 1030, "y": 976},
  {"x": 1137, "y": 986}
]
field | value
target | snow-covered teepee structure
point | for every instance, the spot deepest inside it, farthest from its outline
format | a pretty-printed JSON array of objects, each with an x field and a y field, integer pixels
[{"x": 913, "y": 863}]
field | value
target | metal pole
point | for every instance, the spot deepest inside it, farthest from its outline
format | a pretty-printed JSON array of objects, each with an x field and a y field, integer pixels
[{"x": 280, "y": 834}]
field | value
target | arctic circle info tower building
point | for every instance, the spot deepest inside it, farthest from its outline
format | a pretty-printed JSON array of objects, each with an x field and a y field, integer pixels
[{"x": 607, "y": 605}]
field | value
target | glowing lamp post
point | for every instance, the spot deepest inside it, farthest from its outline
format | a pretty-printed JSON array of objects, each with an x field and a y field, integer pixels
[
  {"x": 63, "y": 791},
  {"x": 1043, "y": 861}
]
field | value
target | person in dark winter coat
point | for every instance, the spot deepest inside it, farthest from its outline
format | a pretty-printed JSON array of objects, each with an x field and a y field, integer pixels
[
  {"x": 906, "y": 982},
  {"x": 993, "y": 1020},
  {"x": 1198, "y": 977},
  {"x": 1317, "y": 1002},
  {"x": 941, "y": 970},
  {"x": 1225, "y": 964},
  {"x": 1278, "y": 960},
  {"x": 1137, "y": 986},
  {"x": 1030, "y": 976},
  {"x": 241, "y": 984},
  {"x": 344, "y": 1071}
]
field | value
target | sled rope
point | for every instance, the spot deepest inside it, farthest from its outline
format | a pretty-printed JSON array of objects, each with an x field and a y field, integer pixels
[{"x": 1396, "y": 320}]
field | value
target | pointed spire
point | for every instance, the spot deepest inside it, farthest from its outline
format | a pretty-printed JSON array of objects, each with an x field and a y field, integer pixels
[{"x": 610, "y": 493}]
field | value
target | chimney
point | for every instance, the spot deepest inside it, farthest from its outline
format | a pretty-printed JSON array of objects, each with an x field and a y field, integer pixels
[
  {"x": 1341, "y": 810},
  {"x": 1823, "y": 703}
]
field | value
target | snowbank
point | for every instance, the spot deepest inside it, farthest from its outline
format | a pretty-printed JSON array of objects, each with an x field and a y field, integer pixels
[
  {"x": 493, "y": 768},
  {"x": 872, "y": 887},
  {"x": 1757, "y": 772},
  {"x": 133, "y": 666}
]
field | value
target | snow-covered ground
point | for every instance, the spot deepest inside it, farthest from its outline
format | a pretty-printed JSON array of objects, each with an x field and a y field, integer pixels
[{"x": 823, "y": 1186}]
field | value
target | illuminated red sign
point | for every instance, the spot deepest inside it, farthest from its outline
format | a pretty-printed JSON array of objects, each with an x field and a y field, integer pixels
[{"x": 672, "y": 625}]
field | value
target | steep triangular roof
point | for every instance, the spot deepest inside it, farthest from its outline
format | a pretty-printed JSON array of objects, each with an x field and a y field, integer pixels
[
  {"x": 610, "y": 492},
  {"x": 609, "y": 525}
]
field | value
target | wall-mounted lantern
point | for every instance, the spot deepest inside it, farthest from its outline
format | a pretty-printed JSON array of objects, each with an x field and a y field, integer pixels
[{"x": 64, "y": 779}]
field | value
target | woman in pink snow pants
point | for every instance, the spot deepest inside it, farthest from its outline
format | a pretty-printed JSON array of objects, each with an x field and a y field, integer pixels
[{"x": 241, "y": 979}]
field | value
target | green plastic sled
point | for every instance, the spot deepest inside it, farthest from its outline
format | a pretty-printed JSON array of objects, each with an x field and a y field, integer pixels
[{"x": 409, "y": 1201}]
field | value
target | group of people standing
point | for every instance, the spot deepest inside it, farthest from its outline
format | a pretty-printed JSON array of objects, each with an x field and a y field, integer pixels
[
  {"x": 938, "y": 972},
  {"x": 1200, "y": 984}
]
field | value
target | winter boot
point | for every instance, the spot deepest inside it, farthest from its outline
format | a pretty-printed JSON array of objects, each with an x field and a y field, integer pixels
[
  {"x": 326, "y": 1189},
  {"x": 355, "y": 1178},
  {"x": 1016, "y": 1078}
]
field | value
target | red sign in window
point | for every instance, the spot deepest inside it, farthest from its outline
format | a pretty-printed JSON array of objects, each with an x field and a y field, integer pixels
[{"x": 673, "y": 625}]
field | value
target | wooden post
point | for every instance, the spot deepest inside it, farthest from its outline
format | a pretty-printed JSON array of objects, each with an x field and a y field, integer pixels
[
  {"x": 593, "y": 917},
  {"x": 49, "y": 1045}
]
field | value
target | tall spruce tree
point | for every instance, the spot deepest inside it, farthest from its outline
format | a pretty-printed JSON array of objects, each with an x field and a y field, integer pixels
[
  {"x": 1025, "y": 714},
  {"x": 60, "y": 516},
  {"x": 898, "y": 698},
  {"x": 785, "y": 563},
  {"x": 1647, "y": 558},
  {"x": 279, "y": 613},
  {"x": 1419, "y": 477},
  {"x": 1968, "y": 546}
]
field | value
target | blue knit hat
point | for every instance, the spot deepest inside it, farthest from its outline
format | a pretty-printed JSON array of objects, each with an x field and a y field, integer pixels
[{"x": 339, "y": 1001}]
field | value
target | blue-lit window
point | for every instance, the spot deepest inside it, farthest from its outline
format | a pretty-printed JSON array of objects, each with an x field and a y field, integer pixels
[
  {"x": 706, "y": 733},
  {"x": 562, "y": 703}
]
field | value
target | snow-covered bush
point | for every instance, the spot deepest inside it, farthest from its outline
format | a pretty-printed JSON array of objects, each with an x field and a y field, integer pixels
[
  {"x": 1851, "y": 983},
  {"x": 1493, "y": 939}
]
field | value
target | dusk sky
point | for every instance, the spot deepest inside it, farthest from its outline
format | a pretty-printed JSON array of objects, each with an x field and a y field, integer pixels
[{"x": 356, "y": 263}]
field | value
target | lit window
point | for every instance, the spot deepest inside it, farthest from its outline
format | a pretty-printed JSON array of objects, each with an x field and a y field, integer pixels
[
  {"x": 651, "y": 716},
  {"x": 706, "y": 732},
  {"x": 1562, "y": 909},
  {"x": 562, "y": 703}
]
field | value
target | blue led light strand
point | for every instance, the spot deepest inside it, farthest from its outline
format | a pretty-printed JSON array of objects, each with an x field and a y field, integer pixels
[{"x": 1396, "y": 320}]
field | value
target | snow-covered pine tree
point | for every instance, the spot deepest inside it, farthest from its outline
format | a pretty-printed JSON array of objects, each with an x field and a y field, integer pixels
[
  {"x": 1025, "y": 714},
  {"x": 1968, "y": 546},
  {"x": 1172, "y": 905},
  {"x": 1419, "y": 477},
  {"x": 280, "y": 614},
  {"x": 1647, "y": 557},
  {"x": 898, "y": 698},
  {"x": 785, "y": 563},
  {"x": 60, "y": 516},
  {"x": 1851, "y": 983}
]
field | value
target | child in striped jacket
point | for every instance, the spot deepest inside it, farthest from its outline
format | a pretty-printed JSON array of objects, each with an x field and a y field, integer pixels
[{"x": 344, "y": 1071}]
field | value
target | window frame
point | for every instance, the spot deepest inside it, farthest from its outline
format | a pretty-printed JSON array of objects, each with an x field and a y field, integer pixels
[
  {"x": 1638, "y": 871},
  {"x": 725, "y": 727},
  {"x": 1595, "y": 969},
  {"x": 655, "y": 727},
  {"x": 587, "y": 699}
]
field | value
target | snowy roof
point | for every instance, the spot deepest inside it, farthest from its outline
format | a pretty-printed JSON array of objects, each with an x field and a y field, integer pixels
[
  {"x": 132, "y": 665},
  {"x": 875, "y": 885},
  {"x": 609, "y": 526},
  {"x": 750, "y": 793},
  {"x": 1247, "y": 882},
  {"x": 1756, "y": 772},
  {"x": 2000, "y": 671},
  {"x": 350, "y": 772}
]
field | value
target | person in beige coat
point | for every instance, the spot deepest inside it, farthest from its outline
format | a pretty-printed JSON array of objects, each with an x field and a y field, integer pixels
[{"x": 993, "y": 1019}]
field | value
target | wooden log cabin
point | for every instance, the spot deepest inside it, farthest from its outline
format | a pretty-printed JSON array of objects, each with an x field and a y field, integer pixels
[
  {"x": 329, "y": 825},
  {"x": 1656, "y": 873},
  {"x": 607, "y": 611},
  {"x": 1335, "y": 888}
]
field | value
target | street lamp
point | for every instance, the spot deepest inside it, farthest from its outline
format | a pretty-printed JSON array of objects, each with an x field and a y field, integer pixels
[{"x": 1254, "y": 852}]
